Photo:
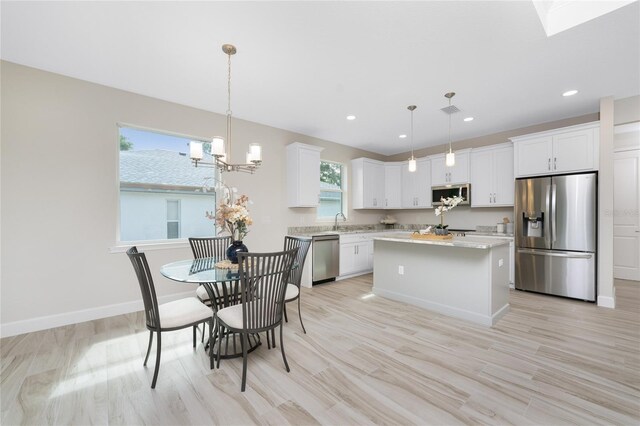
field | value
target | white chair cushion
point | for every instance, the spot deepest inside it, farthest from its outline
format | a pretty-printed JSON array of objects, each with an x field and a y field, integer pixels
[
  {"x": 182, "y": 312},
  {"x": 292, "y": 292},
  {"x": 202, "y": 294},
  {"x": 231, "y": 316}
]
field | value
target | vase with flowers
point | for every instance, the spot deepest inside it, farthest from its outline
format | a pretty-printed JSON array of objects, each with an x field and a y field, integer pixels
[
  {"x": 233, "y": 218},
  {"x": 446, "y": 205}
]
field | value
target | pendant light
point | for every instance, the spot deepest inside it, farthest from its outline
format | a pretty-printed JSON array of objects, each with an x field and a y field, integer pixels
[
  {"x": 220, "y": 153},
  {"x": 412, "y": 161},
  {"x": 450, "y": 158}
]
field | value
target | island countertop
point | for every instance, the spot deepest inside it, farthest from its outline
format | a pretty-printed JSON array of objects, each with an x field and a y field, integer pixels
[{"x": 464, "y": 242}]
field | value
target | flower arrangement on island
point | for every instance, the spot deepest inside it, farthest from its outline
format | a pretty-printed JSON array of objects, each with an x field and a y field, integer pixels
[
  {"x": 447, "y": 204},
  {"x": 233, "y": 217}
]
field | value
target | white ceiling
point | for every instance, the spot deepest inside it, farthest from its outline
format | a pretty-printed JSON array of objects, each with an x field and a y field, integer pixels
[{"x": 304, "y": 66}]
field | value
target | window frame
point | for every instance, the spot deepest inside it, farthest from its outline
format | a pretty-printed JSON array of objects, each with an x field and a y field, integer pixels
[
  {"x": 178, "y": 220},
  {"x": 120, "y": 246},
  {"x": 343, "y": 191}
]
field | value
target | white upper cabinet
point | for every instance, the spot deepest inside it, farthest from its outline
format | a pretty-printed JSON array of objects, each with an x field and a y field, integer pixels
[
  {"x": 303, "y": 175},
  {"x": 392, "y": 185},
  {"x": 565, "y": 150},
  {"x": 492, "y": 178},
  {"x": 367, "y": 183},
  {"x": 416, "y": 186},
  {"x": 442, "y": 175}
]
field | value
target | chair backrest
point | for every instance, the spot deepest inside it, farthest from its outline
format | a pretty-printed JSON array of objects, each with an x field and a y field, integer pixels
[
  {"x": 302, "y": 245},
  {"x": 263, "y": 283},
  {"x": 140, "y": 265},
  {"x": 210, "y": 247}
]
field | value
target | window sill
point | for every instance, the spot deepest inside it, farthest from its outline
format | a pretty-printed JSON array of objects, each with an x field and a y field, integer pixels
[{"x": 149, "y": 246}]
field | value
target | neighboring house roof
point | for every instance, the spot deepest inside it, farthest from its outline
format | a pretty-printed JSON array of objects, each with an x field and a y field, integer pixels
[{"x": 162, "y": 168}]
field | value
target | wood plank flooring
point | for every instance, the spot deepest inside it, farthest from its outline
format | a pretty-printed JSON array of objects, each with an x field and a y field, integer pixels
[{"x": 365, "y": 360}]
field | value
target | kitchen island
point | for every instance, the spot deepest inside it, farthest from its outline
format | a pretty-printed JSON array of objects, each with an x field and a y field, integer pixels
[{"x": 466, "y": 277}]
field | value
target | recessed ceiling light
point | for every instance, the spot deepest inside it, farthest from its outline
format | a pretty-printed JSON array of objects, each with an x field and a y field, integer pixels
[
  {"x": 351, "y": 117},
  {"x": 468, "y": 119},
  {"x": 569, "y": 93},
  {"x": 402, "y": 136}
]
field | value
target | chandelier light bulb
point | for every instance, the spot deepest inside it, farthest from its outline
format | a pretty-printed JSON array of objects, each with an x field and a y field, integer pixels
[
  {"x": 195, "y": 150},
  {"x": 450, "y": 159}
]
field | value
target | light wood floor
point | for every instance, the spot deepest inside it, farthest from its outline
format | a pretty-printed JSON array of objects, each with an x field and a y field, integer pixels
[{"x": 365, "y": 360}]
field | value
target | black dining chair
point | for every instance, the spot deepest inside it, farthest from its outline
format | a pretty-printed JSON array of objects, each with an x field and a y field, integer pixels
[
  {"x": 293, "y": 286},
  {"x": 176, "y": 315},
  {"x": 263, "y": 283},
  {"x": 214, "y": 247}
]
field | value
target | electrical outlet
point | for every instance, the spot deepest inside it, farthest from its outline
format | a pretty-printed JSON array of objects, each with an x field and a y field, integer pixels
[
  {"x": 400, "y": 270},
  {"x": 500, "y": 262}
]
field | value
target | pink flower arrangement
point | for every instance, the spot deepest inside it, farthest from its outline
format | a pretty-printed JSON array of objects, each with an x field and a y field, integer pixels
[{"x": 233, "y": 218}]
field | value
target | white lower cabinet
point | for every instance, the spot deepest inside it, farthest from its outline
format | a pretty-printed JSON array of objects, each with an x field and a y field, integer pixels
[{"x": 356, "y": 254}]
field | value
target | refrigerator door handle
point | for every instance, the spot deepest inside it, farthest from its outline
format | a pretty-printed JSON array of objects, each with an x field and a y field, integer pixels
[
  {"x": 556, "y": 254},
  {"x": 554, "y": 214},
  {"x": 547, "y": 220}
]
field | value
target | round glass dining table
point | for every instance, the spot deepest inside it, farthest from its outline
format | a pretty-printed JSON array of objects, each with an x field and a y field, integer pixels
[{"x": 223, "y": 287}]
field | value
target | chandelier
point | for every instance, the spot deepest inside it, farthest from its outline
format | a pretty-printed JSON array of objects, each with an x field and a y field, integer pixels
[{"x": 220, "y": 147}]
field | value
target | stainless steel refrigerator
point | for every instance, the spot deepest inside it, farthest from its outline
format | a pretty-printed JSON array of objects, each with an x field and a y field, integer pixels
[{"x": 556, "y": 224}]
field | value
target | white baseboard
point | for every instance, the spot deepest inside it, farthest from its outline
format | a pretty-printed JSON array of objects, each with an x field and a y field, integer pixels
[
  {"x": 474, "y": 317},
  {"x": 607, "y": 302},
  {"x": 58, "y": 320}
]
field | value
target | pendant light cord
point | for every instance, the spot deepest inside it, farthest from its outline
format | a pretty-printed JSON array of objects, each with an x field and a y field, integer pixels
[
  {"x": 412, "y": 134},
  {"x": 449, "y": 126},
  {"x": 228, "y": 141}
]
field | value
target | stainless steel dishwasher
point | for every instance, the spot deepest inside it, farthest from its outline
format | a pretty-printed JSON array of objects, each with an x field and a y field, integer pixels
[{"x": 326, "y": 258}]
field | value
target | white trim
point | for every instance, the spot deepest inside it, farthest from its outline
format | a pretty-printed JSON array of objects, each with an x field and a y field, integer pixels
[
  {"x": 474, "y": 317},
  {"x": 606, "y": 302},
  {"x": 57, "y": 320},
  {"x": 553, "y": 132},
  {"x": 147, "y": 246}
]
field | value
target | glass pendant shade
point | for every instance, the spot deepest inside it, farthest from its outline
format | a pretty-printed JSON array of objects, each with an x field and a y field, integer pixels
[
  {"x": 249, "y": 158},
  {"x": 217, "y": 146},
  {"x": 412, "y": 164},
  {"x": 195, "y": 150},
  {"x": 450, "y": 159},
  {"x": 256, "y": 152}
]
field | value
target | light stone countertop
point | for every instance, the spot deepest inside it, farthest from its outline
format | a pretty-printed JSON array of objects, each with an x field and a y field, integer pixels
[{"x": 464, "y": 242}]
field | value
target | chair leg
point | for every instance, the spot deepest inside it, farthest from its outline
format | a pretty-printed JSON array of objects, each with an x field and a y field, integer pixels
[
  {"x": 300, "y": 315},
  {"x": 204, "y": 329},
  {"x": 219, "y": 345},
  {"x": 268, "y": 340},
  {"x": 284, "y": 358},
  {"x": 155, "y": 373},
  {"x": 284, "y": 308},
  {"x": 244, "y": 345},
  {"x": 148, "y": 348},
  {"x": 210, "y": 342},
  {"x": 194, "y": 335},
  {"x": 273, "y": 337}
]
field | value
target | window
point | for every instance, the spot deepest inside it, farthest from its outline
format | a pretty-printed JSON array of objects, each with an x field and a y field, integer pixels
[
  {"x": 173, "y": 219},
  {"x": 162, "y": 195},
  {"x": 331, "y": 192}
]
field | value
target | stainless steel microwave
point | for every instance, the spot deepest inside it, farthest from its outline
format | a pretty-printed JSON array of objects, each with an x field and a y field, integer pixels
[{"x": 461, "y": 190}]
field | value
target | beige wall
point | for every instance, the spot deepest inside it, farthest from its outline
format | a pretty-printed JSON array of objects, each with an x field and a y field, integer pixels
[
  {"x": 627, "y": 110},
  {"x": 59, "y": 207},
  {"x": 59, "y": 158}
]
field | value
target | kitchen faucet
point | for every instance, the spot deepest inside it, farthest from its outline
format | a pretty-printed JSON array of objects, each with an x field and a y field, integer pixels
[{"x": 335, "y": 223}]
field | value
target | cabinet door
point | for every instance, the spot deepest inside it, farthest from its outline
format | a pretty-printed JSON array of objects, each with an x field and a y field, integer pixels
[
  {"x": 533, "y": 157},
  {"x": 392, "y": 186},
  {"x": 347, "y": 258},
  {"x": 573, "y": 151},
  {"x": 459, "y": 173},
  {"x": 303, "y": 175},
  {"x": 373, "y": 185},
  {"x": 482, "y": 178},
  {"x": 422, "y": 183},
  {"x": 439, "y": 171},
  {"x": 504, "y": 179},
  {"x": 362, "y": 257},
  {"x": 408, "y": 187}
]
